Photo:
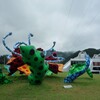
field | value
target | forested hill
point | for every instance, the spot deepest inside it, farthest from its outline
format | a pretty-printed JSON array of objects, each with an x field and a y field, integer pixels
[
  {"x": 92, "y": 51},
  {"x": 69, "y": 55}
]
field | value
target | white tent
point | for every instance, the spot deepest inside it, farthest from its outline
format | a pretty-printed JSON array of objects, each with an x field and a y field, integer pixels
[
  {"x": 95, "y": 65},
  {"x": 79, "y": 59}
]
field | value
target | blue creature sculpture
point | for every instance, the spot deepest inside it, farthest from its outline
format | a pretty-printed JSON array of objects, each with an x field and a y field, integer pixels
[{"x": 78, "y": 69}]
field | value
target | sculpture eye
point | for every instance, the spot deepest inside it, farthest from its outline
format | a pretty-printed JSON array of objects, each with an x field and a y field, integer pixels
[
  {"x": 36, "y": 59},
  {"x": 40, "y": 68},
  {"x": 32, "y": 52},
  {"x": 42, "y": 55},
  {"x": 23, "y": 51},
  {"x": 41, "y": 62},
  {"x": 38, "y": 73}
]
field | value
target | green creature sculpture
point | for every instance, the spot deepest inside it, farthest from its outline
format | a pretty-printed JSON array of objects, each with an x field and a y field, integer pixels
[
  {"x": 78, "y": 69},
  {"x": 3, "y": 79},
  {"x": 36, "y": 60}
]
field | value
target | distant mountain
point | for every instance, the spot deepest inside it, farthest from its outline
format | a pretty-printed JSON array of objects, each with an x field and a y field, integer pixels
[
  {"x": 92, "y": 51},
  {"x": 65, "y": 55},
  {"x": 69, "y": 55}
]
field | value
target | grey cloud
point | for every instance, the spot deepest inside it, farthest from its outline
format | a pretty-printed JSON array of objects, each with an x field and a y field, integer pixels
[{"x": 73, "y": 24}]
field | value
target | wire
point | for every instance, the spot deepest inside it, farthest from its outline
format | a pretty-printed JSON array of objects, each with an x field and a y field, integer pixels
[
  {"x": 69, "y": 11},
  {"x": 83, "y": 15},
  {"x": 70, "y": 8},
  {"x": 93, "y": 19},
  {"x": 88, "y": 24}
]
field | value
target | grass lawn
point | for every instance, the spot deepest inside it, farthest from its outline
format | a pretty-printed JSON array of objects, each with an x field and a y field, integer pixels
[{"x": 83, "y": 88}]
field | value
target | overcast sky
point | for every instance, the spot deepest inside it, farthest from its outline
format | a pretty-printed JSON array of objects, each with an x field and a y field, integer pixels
[{"x": 73, "y": 24}]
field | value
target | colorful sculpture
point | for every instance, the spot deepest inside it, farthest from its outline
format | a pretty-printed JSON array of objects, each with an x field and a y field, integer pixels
[
  {"x": 16, "y": 60},
  {"x": 53, "y": 60},
  {"x": 51, "y": 55},
  {"x": 33, "y": 62},
  {"x": 78, "y": 69},
  {"x": 28, "y": 58}
]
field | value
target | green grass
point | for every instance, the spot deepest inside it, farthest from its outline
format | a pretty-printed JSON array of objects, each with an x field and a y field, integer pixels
[{"x": 83, "y": 88}]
